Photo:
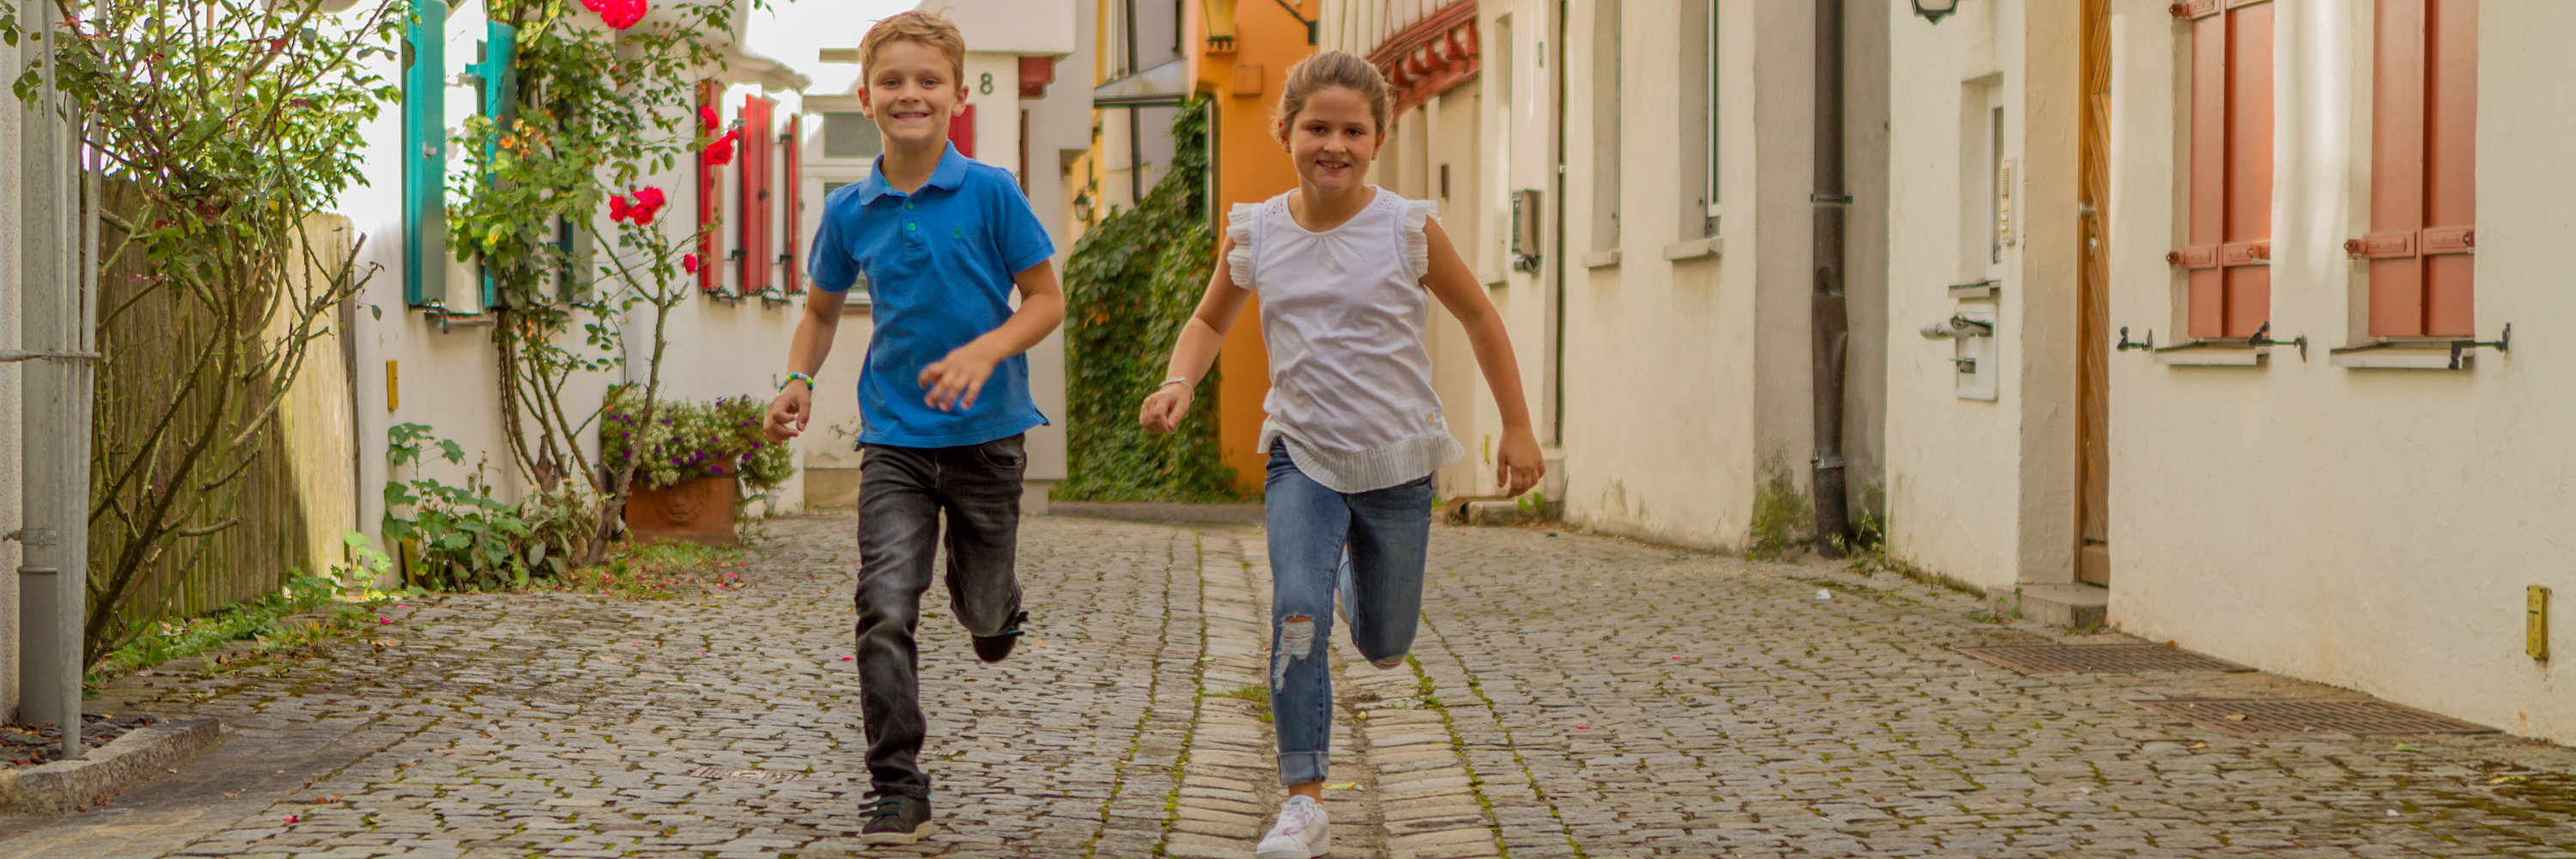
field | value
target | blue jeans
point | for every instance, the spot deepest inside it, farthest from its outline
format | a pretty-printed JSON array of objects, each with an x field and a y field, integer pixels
[{"x": 1371, "y": 546}]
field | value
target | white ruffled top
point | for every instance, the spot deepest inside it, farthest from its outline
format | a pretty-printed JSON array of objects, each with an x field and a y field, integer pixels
[{"x": 1343, "y": 313}]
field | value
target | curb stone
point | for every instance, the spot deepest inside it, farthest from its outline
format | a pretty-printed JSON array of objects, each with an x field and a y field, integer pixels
[{"x": 63, "y": 786}]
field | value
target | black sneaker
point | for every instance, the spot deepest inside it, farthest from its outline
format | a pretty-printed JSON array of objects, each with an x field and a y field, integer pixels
[
  {"x": 895, "y": 819},
  {"x": 998, "y": 647}
]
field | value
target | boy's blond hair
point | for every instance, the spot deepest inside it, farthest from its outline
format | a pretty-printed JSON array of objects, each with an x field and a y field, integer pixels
[{"x": 928, "y": 28}]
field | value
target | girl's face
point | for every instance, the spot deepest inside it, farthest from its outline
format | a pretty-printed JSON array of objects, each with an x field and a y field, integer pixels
[
  {"x": 910, "y": 93},
  {"x": 1333, "y": 140}
]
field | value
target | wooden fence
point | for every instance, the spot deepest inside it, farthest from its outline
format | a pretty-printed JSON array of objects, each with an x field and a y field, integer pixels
[{"x": 296, "y": 496}]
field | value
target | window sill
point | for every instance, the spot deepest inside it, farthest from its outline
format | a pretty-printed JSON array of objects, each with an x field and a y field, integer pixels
[
  {"x": 1602, "y": 259},
  {"x": 2212, "y": 353},
  {"x": 2400, "y": 355},
  {"x": 1693, "y": 249},
  {"x": 1975, "y": 289}
]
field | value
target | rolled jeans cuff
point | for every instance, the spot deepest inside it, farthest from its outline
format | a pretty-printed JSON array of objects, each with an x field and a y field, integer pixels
[{"x": 1302, "y": 767}]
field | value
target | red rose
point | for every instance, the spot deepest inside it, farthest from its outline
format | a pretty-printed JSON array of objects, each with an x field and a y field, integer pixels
[
  {"x": 617, "y": 14},
  {"x": 689, "y": 263},
  {"x": 721, "y": 151},
  {"x": 707, "y": 115},
  {"x": 617, "y": 207},
  {"x": 648, "y": 202}
]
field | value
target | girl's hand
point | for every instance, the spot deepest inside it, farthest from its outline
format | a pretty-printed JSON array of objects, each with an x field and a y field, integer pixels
[
  {"x": 1164, "y": 408},
  {"x": 1519, "y": 468},
  {"x": 954, "y": 381},
  {"x": 788, "y": 412}
]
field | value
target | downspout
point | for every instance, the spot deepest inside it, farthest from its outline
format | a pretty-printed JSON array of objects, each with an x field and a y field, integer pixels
[
  {"x": 1832, "y": 325},
  {"x": 1135, "y": 120},
  {"x": 55, "y": 328}
]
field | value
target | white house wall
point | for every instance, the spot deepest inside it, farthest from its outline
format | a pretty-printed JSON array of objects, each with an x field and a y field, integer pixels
[
  {"x": 2368, "y": 528},
  {"x": 1967, "y": 498}
]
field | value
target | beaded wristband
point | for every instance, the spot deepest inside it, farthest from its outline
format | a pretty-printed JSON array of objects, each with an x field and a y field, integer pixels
[{"x": 791, "y": 377}]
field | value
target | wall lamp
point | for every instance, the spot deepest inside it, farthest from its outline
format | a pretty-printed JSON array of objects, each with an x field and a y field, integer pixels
[{"x": 1935, "y": 10}]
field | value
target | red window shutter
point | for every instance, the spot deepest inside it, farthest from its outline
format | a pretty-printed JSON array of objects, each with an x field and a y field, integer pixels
[
  {"x": 2423, "y": 192},
  {"x": 2228, "y": 252},
  {"x": 753, "y": 259},
  {"x": 707, "y": 200},
  {"x": 961, "y": 130},
  {"x": 791, "y": 188}
]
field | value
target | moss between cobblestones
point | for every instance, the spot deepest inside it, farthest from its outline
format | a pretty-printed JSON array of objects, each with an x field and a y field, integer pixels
[
  {"x": 1450, "y": 722},
  {"x": 1427, "y": 695}
]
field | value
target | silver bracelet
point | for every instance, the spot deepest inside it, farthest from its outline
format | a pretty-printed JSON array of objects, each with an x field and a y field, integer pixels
[{"x": 1175, "y": 380}]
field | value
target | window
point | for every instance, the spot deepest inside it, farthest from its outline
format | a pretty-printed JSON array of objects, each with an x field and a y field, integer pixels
[
  {"x": 1699, "y": 112},
  {"x": 1605, "y": 126},
  {"x": 2227, "y": 281},
  {"x": 2423, "y": 170},
  {"x": 850, "y": 134}
]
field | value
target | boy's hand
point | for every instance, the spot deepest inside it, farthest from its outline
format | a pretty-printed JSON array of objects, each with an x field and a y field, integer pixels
[
  {"x": 953, "y": 382},
  {"x": 1519, "y": 468},
  {"x": 1164, "y": 408},
  {"x": 788, "y": 412}
]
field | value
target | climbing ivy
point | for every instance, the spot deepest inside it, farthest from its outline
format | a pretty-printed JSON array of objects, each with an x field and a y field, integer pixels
[{"x": 1131, "y": 283}]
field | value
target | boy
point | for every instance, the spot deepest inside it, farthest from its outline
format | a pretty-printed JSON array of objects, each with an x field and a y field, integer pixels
[{"x": 944, "y": 398}]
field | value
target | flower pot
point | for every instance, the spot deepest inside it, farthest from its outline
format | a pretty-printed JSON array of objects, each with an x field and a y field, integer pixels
[{"x": 698, "y": 510}]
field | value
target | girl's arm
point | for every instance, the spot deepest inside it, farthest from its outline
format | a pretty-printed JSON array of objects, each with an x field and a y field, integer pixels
[
  {"x": 1197, "y": 347},
  {"x": 1519, "y": 466}
]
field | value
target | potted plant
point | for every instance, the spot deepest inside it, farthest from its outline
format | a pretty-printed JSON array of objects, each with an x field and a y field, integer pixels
[{"x": 693, "y": 463}]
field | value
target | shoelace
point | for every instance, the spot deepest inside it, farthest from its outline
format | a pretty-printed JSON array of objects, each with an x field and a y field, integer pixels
[
  {"x": 883, "y": 806},
  {"x": 1293, "y": 818}
]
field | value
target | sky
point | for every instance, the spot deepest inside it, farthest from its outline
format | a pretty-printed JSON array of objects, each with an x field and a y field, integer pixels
[{"x": 795, "y": 31}]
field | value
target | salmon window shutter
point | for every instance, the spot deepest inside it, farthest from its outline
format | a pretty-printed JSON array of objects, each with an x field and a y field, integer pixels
[
  {"x": 753, "y": 258},
  {"x": 707, "y": 199},
  {"x": 791, "y": 187},
  {"x": 961, "y": 130},
  {"x": 2226, "y": 260},
  {"x": 2423, "y": 171}
]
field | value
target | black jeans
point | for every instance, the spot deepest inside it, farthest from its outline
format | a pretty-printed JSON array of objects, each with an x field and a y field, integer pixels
[{"x": 902, "y": 493}]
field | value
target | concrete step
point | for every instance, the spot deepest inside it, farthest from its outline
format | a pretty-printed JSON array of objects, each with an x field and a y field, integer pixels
[{"x": 2055, "y": 603}]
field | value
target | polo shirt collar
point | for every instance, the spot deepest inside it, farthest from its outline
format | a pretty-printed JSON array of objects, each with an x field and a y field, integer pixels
[{"x": 950, "y": 174}]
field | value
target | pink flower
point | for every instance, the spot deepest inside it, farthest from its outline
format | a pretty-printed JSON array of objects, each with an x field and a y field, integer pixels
[
  {"x": 689, "y": 263},
  {"x": 617, "y": 14},
  {"x": 383, "y": 619}
]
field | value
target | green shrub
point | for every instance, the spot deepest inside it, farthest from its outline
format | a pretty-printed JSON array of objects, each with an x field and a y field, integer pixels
[{"x": 687, "y": 441}]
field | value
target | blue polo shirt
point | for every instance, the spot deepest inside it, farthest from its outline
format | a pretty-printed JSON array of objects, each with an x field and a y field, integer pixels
[{"x": 939, "y": 263}]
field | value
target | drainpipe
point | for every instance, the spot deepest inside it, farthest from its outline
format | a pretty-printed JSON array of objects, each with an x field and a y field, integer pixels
[
  {"x": 55, "y": 329},
  {"x": 1832, "y": 326}
]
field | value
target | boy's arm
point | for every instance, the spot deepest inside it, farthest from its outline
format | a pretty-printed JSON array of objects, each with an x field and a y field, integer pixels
[
  {"x": 794, "y": 405},
  {"x": 953, "y": 381},
  {"x": 1519, "y": 467}
]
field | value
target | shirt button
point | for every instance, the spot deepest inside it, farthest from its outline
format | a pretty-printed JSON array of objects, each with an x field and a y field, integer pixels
[
  {"x": 907, "y": 205},
  {"x": 910, "y": 226}
]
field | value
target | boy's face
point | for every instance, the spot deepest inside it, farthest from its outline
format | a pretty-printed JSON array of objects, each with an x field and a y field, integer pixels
[
  {"x": 911, "y": 91},
  {"x": 1333, "y": 139}
]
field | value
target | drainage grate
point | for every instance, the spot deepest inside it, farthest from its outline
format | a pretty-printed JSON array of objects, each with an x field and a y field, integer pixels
[
  {"x": 2098, "y": 658},
  {"x": 731, "y": 774},
  {"x": 2250, "y": 717}
]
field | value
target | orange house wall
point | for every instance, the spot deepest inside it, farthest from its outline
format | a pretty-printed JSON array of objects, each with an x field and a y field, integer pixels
[{"x": 1250, "y": 167}]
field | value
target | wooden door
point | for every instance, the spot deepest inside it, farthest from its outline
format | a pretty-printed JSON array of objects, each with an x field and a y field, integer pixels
[{"x": 2093, "y": 305}]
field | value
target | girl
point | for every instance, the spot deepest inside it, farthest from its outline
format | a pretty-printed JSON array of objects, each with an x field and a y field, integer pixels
[{"x": 1345, "y": 271}]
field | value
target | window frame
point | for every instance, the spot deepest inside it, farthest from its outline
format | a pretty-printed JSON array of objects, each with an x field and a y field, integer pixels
[{"x": 2223, "y": 260}]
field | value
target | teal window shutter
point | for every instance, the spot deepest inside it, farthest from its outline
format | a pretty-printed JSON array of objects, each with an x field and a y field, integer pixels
[
  {"x": 424, "y": 163},
  {"x": 494, "y": 79}
]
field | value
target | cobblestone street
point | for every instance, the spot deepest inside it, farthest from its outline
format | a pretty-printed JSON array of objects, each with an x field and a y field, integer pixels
[{"x": 1571, "y": 696}]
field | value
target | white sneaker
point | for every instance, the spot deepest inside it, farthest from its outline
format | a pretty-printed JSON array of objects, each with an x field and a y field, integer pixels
[{"x": 1302, "y": 832}]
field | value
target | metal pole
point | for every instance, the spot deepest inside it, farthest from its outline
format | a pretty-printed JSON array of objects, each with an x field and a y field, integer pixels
[
  {"x": 1832, "y": 324},
  {"x": 54, "y": 571}
]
